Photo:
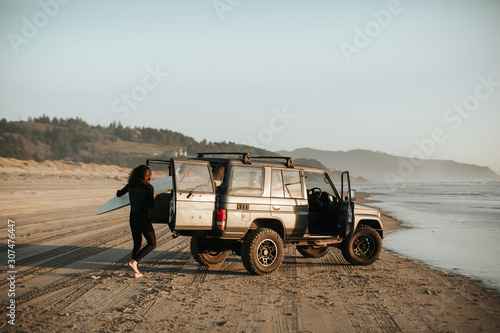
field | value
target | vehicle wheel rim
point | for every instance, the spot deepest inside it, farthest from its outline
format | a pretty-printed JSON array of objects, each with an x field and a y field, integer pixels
[
  {"x": 212, "y": 253},
  {"x": 363, "y": 247},
  {"x": 267, "y": 251}
]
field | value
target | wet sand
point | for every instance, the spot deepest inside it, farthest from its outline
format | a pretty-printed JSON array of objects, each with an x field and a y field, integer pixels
[{"x": 72, "y": 275}]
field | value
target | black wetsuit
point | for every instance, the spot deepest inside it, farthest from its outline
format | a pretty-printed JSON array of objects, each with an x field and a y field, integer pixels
[{"x": 141, "y": 198}]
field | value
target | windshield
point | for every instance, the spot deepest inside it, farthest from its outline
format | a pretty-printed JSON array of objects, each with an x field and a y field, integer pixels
[{"x": 321, "y": 180}]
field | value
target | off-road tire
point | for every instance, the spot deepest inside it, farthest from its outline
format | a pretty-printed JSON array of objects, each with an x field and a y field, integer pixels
[
  {"x": 313, "y": 251},
  {"x": 364, "y": 247},
  {"x": 205, "y": 256},
  {"x": 262, "y": 251}
]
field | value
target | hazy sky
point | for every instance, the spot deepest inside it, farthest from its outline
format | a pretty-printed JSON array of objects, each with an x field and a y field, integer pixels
[{"x": 413, "y": 78}]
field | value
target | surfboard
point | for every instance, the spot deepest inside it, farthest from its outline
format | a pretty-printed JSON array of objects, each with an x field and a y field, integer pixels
[{"x": 160, "y": 185}]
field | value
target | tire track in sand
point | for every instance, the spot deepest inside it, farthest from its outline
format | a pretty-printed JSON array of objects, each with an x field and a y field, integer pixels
[
  {"x": 68, "y": 280},
  {"x": 153, "y": 292},
  {"x": 41, "y": 236},
  {"x": 287, "y": 314},
  {"x": 65, "y": 255},
  {"x": 56, "y": 297}
]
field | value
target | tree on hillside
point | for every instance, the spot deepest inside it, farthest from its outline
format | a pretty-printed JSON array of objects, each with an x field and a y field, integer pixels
[
  {"x": 44, "y": 119},
  {"x": 74, "y": 139}
]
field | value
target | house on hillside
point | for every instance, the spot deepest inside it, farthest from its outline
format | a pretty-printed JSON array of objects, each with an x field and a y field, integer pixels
[{"x": 175, "y": 153}]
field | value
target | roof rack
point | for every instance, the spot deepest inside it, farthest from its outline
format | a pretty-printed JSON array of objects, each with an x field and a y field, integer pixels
[
  {"x": 288, "y": 160},
  {"x": 148, "y": 161},
  {"x": 245, "y": 156}
]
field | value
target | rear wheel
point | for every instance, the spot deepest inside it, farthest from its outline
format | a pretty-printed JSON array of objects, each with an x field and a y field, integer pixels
[
  {"x": 364, "y": 247},
  {"x": 262, "y": 251},
  {"x": 206, "y": 255},
  {"x": 313, "y": 251}
]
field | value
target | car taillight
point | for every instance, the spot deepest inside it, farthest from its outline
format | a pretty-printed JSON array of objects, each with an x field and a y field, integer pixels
[{"x": 221, "y": 219}]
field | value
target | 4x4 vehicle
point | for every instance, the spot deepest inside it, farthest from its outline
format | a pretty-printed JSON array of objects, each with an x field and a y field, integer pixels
[{"x": 256, "y": 206}]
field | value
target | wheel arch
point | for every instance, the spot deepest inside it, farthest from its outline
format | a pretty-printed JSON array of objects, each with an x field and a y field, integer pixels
[
  {"x": 375, "y": 224},
  {"x": 273, "y": 224}
]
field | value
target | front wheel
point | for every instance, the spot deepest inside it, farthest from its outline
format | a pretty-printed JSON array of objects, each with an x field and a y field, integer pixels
[
  {"x": 262, "y": 251},
  {"x": 364, "y": 247},
  {"x": 313, "y": 251},
  {"x": 205, "y": 256}
]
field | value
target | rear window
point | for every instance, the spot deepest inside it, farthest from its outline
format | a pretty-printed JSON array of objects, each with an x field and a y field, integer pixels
[
  {"x": 246, "y": 181},
  {"x": 193, "y": 177}
]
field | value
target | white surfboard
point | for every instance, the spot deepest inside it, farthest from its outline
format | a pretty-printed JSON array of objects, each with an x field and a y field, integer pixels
[{"x": 160, "y": 185}]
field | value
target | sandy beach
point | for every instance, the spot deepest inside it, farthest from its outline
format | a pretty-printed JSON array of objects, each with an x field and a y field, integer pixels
[{"x": 71, "y": 274}]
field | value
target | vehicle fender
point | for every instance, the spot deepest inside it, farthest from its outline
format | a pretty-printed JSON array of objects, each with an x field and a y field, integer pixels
[
  {"x": 370, "y": 221},
  {"x": 274, "y": 224}
]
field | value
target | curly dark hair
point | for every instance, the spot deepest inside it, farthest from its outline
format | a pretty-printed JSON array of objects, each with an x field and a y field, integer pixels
[{"x": 137, "y": 175}]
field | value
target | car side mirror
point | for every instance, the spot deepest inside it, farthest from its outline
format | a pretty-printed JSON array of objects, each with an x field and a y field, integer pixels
[{"x": 353, "y": 195}]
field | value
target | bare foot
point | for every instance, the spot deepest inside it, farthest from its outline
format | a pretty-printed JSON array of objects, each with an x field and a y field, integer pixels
[
  {"x": 138, "y": 275},
  {"x": 133, "y": 265}
]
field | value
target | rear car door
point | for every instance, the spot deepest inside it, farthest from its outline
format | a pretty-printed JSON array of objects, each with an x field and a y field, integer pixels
[
  {"x": 288, "y": 201},
  {"x": 193, "y": 200}
]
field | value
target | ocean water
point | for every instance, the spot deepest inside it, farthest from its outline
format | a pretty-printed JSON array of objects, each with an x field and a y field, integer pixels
[{"x": 454, "y": 226}]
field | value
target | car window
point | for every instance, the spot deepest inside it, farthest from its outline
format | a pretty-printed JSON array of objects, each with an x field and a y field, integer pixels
[
  {"x": 317, "y": 179},
  {"x": 193, "y": 177},
  {"x": 293, "y": 187},
  {"x": 277, "y": 184},
  {"x": 246, "y": 181}
]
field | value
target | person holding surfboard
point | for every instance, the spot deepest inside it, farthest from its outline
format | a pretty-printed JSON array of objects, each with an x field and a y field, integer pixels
[{"x": 141, "y": 194}]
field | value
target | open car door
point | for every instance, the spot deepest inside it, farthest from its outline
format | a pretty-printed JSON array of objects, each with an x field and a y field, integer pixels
[
  {"x": 193, "y": 200},
  {"x": 346, "y": 206}
]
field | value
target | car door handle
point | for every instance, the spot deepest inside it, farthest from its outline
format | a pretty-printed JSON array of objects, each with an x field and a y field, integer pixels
[{"x": 276, "y": 207}]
